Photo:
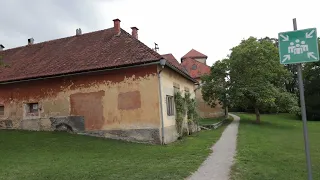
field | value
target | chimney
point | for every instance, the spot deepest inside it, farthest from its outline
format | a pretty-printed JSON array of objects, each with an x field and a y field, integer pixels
[
  {"x": 135, "y": 32},
  {"x": 116, "y": 26},
  {"x": 78, "y": 32},
  {"x": 30, "y": 41},
  {"x": 1, "y": 47}
]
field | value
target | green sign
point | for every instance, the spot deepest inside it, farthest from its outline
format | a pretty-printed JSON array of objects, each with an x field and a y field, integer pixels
[{"x": 298, "y": 46}]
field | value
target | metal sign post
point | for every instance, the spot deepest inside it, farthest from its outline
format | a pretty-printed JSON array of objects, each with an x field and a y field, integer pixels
[
  {"x": 296, "y": 47},
  {"x": 303, "y": 111}
]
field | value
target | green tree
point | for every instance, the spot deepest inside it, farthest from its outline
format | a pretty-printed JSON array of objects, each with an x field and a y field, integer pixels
[
  {"x": 311, "y": 76},
  {"x": 292, "y": 82},
  {"x": 257, "y": 79},
  {"x": 216, "y": 85}
]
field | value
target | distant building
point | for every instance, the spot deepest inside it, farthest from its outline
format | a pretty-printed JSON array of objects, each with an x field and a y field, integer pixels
[
  {"x": 103, "y": 83},
  {"x": 195, "y": 64}
]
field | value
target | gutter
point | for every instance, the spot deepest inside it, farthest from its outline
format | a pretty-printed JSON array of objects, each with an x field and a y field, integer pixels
[
  {"x": 80, "y": 73},
  {"x": 161, "y": 108}
]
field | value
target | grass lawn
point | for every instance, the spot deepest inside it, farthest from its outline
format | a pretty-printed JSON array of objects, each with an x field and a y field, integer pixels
[
  {"x": 54, "y": 155},
  {"x": 275, "y": 149},
  {"x": 206, "y": 121}
]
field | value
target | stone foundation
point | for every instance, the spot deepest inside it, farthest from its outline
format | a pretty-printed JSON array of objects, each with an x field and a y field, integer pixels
[
  {"x": 134, "y": 135},
  {"x": 31, "y": 124},
  {"x": 5, "y": 124},
  {"x": 76, "y": 124},
  {"x": 68, "y": 123}
]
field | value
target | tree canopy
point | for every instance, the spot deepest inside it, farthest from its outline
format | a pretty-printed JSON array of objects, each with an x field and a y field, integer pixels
[
  {"x": 253, "y": 77},
  {"x": 311, "y": 72},
  {"x": 217, "y": 84}
]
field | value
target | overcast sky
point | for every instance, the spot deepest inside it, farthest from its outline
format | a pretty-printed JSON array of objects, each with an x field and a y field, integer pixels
[{"x": 211, "y": 27}]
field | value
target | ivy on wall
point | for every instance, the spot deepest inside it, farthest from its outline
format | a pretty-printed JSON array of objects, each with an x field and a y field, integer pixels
[{"x": 185, "y": 106}]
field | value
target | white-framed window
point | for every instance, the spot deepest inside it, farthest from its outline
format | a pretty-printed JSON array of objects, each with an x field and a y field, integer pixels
[{"x": 170, "y": 105}]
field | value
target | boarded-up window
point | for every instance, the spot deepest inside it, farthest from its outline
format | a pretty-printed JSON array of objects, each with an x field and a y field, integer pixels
[
  {"x": 90, "y": 106},
  {"x": 1, "y": 110},
  {"x": 129, "y": 100},
  {"x": 170, "y": 105}
]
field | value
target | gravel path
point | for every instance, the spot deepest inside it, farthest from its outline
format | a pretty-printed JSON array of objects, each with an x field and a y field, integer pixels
[{"x": 217, "y": 165}]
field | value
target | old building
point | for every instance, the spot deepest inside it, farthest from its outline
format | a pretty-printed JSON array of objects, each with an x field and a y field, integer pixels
[
  {"x": 105, "y": 83},
  {"x": 195, "y": 64}
]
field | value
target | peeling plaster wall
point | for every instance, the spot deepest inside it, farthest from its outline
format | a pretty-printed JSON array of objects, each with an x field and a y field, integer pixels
[
  {"x": 123, "y": 100},
  {"x": 169, "y": 79},
  {"x": 206, "y": 111}
]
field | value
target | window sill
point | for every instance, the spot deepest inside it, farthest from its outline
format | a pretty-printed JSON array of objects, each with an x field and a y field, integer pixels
[{"x": 32, "y": 115}]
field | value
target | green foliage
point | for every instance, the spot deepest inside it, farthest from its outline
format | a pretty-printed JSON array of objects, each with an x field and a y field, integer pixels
[
  {"x": 311, "y": 76},
  {"x": 192, "y": 114},
  {"x": 184, "y": 106},
  {"x": 180, "y": 106},
  {"x": 287, "y": 102},
  {"x": 257, "y": 78},
  {"x": 216, "y": 85}
]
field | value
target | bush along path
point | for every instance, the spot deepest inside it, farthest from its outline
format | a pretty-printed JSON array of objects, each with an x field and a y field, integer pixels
[{"x": 218, "y": 164}]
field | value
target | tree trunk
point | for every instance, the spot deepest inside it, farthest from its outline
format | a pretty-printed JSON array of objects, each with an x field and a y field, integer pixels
[
  {"x": 257, "y": 115},
  {"x": 226, "y": 112}
]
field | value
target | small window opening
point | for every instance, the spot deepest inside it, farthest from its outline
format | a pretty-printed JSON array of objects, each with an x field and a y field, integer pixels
[
  {"x": 33, "y": 107},
  {"x": 170, "y": 105},
  {"x": 1, "y": 110}
]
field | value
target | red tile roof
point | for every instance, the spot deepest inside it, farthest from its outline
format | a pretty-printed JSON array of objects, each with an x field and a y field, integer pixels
[
  {"x": 195, "y": 68},
  {"x": 194, "y": 54},
  {"x": 172, "y": 60},
  {"x": 91, "y": 51}
]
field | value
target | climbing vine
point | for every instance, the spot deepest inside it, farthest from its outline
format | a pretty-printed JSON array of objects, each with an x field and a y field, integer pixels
[
  {"x": 192, "y": 114},
  {"x": 184, "y": 106},
  {"x": 180, "y": 111}
]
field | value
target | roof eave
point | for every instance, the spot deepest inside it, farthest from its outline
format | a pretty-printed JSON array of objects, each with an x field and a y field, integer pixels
[
  {"x": 181, "y": 73},
  {"x": 194, "y": 57},
  {"x": 81, "y": 72}
]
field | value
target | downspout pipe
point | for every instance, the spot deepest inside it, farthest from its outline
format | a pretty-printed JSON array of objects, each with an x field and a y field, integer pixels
[{"x": 162, "y": 63}]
